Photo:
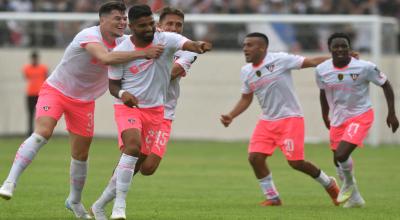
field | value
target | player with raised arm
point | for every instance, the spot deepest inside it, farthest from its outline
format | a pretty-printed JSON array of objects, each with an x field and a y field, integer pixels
[
  {"x": 79, "y": 79},
  {"x": 268, "y": 76},
  {"x": 140, "y": 87},
  {"x": 347, "y": 109}
]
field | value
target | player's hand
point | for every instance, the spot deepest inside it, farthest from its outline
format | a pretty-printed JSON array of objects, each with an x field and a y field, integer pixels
[
  {"x": 129, "y": 100},
  {"x": 392, "y": 122},
  {"x": 204, "y": 46},
  {"x": 355, "y": 54},
  {"x": 327, "y": 122},
  {"x": 226, "y": 120},
  {"x": 154, "y": 52}
]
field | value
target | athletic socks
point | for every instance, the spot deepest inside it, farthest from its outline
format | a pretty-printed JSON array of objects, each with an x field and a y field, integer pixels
[
  {"x": 78, "y": 172},
  {"x": 124, "y": 173},
  {"x": 268, "y": 187},
  {"x": 347, "y": 169},
  {"x": 109, "y": 192},
  {"x": 25, "y": 154},
  {"x": 323, "y": 179}
]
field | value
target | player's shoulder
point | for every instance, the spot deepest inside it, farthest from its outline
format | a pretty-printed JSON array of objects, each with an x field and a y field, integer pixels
[
  {"x": 124, "y": 45},
  {"x": 119, "y": 40},
  {"x": 90, "y": 31},
  {"x": 246, "y": 69},
  {"x": 363, "y": 63},
  {"x": 322, "y": 67}
]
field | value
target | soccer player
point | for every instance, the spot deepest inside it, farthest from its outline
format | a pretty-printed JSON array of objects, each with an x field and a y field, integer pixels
[
  {"x": 171, "y": 20},
  {"x": 347, "y": 110},
  {"x": 76, "y": 82},
  {"x": 140, "y": 87},
  {"x": 268, "y": 76}
]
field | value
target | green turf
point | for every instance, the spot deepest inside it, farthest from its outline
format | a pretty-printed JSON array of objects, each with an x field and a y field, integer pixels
[{"x": 202, "y": 180}]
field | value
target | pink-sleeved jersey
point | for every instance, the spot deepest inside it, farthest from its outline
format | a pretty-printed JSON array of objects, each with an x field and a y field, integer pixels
[
  {"x": 79, "y": 75},
  {"x": 185, "y": 60},
  {"x": 347, "y": 89},
  {"x": 271, "y": 82},
  {"x": 148, "y": 80}
]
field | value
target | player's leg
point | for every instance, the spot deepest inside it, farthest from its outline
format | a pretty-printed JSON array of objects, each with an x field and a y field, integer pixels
[
  {"x": 129, "y": 124},
  {"x": 261, "y": 146},
  {"x": 355, "y": 131},
  {"x": 158, "y": 148},
  {"x": 291, "y": 143},
  {"x": 125, "y": 169},
  {"x": 80, "y": 123},
  {"x": 48, "y": 112}
]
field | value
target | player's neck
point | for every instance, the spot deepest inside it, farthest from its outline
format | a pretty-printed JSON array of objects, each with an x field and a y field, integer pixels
[
  {"x": 341, "y": 63},
  {"x": 139, "y": 43},
  {"x": 108, "y": 38}
]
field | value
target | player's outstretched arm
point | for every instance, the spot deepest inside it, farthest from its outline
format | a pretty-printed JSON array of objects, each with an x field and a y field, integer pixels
[
  {"x": 127, "y": 98},
  {"x": 98, "y": 51},
  {"x": 243, "y": 103},
  {"x": 324, "y": 108},
  {"x": 197, "y": 46},
  {"x": 313, "y": 61},
  {"x": 391, "y": 119}
]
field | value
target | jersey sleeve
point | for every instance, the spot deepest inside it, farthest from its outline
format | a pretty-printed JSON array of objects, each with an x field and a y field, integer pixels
[
  {"x": 375, "y": 75},
  {"x": 318, "y": 80},
  {"x": 86, "y": 36},
  {"x": 115, "y": 72},
  {"x": 245, "y": 85},
  {"x": 186, "y": 59},
  {"x": 292, "y": 61},
  {"x": 175, "y": 41}
]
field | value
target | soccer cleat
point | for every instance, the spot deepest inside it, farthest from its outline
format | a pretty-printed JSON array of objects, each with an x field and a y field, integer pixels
[
  {"x": 271, "y": 202},
  {"x": 345, "y": 193},
  {"x": 333, "y": 190},
  {"x": 6, "y": 190},
  {"x": 98, "y": 212},
  {"x": 78, "y": 210},
  {"x": 118, "y": 213},
  {"x": 355, "y": 201}
]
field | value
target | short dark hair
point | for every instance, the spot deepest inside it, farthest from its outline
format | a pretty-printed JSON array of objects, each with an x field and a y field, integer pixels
[
  {"x": 171, "y": 11},
  {"x": 260, "y": 35},
  {"x": 107, "y": 7},
  {"x": 138, "y": 11},
  {"x": 338, "y": 35}
]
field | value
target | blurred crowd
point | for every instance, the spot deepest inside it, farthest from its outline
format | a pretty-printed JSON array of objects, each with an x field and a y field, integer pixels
[{"x": 293, "y": 37}]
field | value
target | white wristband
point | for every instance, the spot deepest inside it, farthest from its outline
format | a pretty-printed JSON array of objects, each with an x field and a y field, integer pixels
[{"x": 120, "y": 93}]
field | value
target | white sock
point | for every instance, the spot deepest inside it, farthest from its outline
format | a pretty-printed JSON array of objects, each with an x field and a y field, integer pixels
[
  {"x": 109, "y": 192},
  {"x": 124, "y": 173},
  {"x": 339, "y": 173},
  {"x": 268, "y": 187},
  {"x": 25, "y": 154},
  {"x": 347, "y": 169},
  {"x": 78, "y": 172},
  {"x": 323, "y": 179}
]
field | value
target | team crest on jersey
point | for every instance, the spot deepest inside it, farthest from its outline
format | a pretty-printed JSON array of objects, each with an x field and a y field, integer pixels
[
  {"x": 258, "y": 73},
  {"x": 340, "y": 77},
  {"x": 131, "y": 121},
  {"x": 354, "y": 76},
  {"x": 270, "y": 67},
  {"x": 46, "y": 108}
]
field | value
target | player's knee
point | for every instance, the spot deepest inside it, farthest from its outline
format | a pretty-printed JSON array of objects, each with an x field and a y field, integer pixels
[
  {"x": 340, "y": 156},
  {"x": 44, "y": 132},
  {"x": 148, "y": 170},
  {"x": 255, "y": 159},
  {"x": 132, "y": 147}
]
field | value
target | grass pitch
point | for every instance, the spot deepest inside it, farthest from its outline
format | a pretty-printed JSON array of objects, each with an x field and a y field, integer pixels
[{"x": 202, "y": 180}]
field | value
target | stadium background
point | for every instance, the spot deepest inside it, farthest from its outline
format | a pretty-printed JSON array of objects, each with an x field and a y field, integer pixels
[{"x": 213, "y": 85}]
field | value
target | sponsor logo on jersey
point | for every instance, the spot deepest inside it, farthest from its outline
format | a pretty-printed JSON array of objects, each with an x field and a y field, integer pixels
[
  {"x": 340, "y": 77},
  {"x": 258, "y": 73},
  {"x": 354, "y": 76},
  {"x": 46, "y": 108},
  {"x": 270, "y": 67}
]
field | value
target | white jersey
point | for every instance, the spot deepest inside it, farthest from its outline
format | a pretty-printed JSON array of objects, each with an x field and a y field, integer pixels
[
  {"x": 347, "y": 89},
  {"x": 148, "y": 80},
  {"x": 272, "y": 84},
  {"x": 185, "y": 60},
  {"x": 79, "y": 75}
]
